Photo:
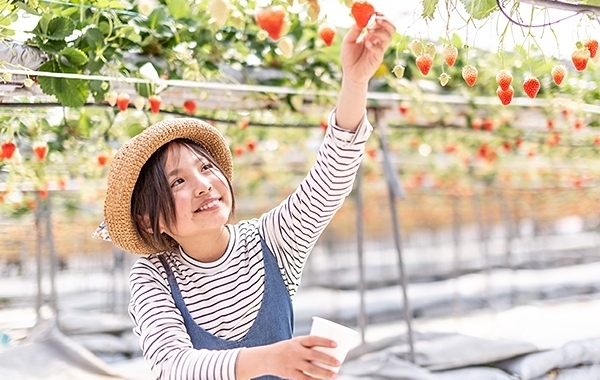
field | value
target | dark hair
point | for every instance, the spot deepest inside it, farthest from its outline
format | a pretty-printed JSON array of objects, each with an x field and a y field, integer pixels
[{"x": 152, "y": 198}]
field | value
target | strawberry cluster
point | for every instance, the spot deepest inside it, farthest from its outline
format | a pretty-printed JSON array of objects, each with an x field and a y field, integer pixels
[{"x": 531, "y": 85}]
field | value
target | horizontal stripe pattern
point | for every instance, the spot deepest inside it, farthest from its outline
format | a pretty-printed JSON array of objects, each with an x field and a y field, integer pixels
[{"x": 224, "y": 296}]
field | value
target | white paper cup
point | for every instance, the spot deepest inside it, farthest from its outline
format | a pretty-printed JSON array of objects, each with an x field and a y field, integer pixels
[{"x": 345, "y": 338}]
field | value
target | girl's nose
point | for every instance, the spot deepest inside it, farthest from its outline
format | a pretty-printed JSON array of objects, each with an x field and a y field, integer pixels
[{"x": 203, "y": 185}]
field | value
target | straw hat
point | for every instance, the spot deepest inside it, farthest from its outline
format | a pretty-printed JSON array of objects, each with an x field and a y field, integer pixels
[{"x": 127, "y": 163}]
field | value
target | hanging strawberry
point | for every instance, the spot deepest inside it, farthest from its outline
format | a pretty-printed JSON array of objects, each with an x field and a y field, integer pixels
[
  {"x": 580, "y": 58},
  {"x": 327, "y": 33},
  {"x": 102, "y": 158},
  {"x": 111, "y": 98},
  {"x": 8, "y": 148},
  {"x": 531, "y": 86},
  {"x": 424, "y": 63},
  {"x": 40, "y": 149},
  {"x": 469, "y": 74},
  {"x": 323, "y": 124},
  {"x": 450, "y": 53},
  {"x": 504, "y": 79},
  {"x": 505, "y": 96},
  {"x": 139, "y": 103},
  {"x": 558, "y": 73},
  {"x": 271, "y": 20},
  {"x": 155, "y": 102},
  {"x": 189, "y": 106},
  {"x": 251, "y": 145},
  {"x": 362, "y": 11},
  {"x": 123, "y": 101},
  {"x": 592, "y": 46}
]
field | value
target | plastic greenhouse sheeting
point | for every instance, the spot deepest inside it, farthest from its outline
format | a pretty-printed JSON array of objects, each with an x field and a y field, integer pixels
[{"x": 48, "y": 354}]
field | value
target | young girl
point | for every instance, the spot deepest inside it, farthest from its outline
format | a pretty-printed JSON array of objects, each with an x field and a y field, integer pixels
[{"x": 211, "y": 299}]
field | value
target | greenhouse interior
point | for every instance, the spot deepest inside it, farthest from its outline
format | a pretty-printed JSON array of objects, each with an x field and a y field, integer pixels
[{"x": 469, "y": 247}]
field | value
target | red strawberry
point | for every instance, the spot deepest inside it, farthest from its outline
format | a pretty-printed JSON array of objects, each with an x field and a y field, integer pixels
[
  {"x": 531, "y": 86},
  {"x": 362, "y": 11},
  {"x": 476, "y": 123},
  {"x": 450, "y": 53},
  {"x": 238, "y": 150},
  {"x": 190, "y": 106},
  {"x": 155, "y": 102},
  {"x": 488, "y": 124},
  {"x": 43, "y": 192},
  {"x": 580, "y": 58},
  {"x": 424, "y": 63},
  {"x": 469, "y": 74},
  {"x": 102, "y": 159},
  {"x": 558, "y": 73},
  {"x": 323, "y": 124},
  {"x": 518, "y": 141},
  {"x": 123, "y": 101},
  {"x": 592, "y": 46},
  {"x": 244, "y": 122},
  {"x": 8, "y": 148},
  {"x": 449, "y": 149},
  {"x": 327, "y": 33},
  {"x": 404, "y": 107},
  {"x": 505, "y": 96},
  {"x": 504, "y": 79},
  {"x": 40, "y": 149},
  {"x": 251, "y": 145},
  {"x": 271, "y": 20}
]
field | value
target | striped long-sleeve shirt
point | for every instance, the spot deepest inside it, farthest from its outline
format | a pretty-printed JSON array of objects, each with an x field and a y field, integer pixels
[{"x": 224, "y": 296}]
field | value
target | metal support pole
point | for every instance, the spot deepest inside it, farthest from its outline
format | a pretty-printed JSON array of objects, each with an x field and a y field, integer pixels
[
  {"x": 49, "y": 239},
  {"x": 39, "y": 300},
  {"x": 457, "y": 264},
  {"x": 395, "y": 193},
  {"x": 362, "y": 313}
]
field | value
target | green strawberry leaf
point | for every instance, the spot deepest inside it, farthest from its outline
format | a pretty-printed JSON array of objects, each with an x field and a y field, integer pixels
[
  {"x": 69, "y": 92},
  {"x": 145, "y": 89},
  {"x": 99, "y": 89},
  {"x": 73, "y": 57},
  {"x": 57, "y": 28},
  {"x": 429, "y": 7},
  {"x": 480, "y": 9},
  {"x": 94, "y": 38},
  {"x": 49, "y": 46}
]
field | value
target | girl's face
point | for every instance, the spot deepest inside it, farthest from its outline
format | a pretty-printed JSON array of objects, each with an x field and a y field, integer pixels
[{"x": 203, "y": 199}]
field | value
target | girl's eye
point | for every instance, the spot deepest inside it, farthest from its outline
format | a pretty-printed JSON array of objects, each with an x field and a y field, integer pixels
[
  {"x": 207, "y": 166},
  {"x": 176, "y": 182}
]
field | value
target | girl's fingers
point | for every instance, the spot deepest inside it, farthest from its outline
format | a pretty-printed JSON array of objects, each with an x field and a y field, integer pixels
[
  {"x": 323, "y": 358},
  {"x": 383, "y": 24},
  {"x": 311, "y": 371},
  {"x": 353, "y": 33},
  {"x": 310, "y": 341}
]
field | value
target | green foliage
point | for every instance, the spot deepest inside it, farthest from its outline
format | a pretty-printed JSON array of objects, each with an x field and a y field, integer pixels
[
  {"x": 70, "y": 92},
  {"x": 479, "y": 9}
]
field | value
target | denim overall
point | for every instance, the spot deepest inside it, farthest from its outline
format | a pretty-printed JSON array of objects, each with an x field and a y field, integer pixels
[{"x": 273, "y": 323}]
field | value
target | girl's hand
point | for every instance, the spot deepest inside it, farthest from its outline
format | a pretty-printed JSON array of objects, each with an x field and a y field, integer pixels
[
  {"x": 289, "y": 359},
  {"x": 362, "y": 53}
]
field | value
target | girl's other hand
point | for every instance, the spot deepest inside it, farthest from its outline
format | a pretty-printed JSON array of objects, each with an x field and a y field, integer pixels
[{"x": 289, "y": 359}]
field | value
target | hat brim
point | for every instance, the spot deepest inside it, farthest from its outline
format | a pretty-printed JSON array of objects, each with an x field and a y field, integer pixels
[{"x": 127, "y": 164}]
